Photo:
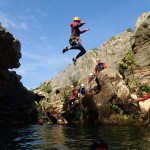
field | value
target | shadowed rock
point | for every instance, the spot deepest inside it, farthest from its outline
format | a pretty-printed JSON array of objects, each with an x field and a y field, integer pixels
[
  {"x": 9, "y": 50},
  {"x": 16, "y": 102}
]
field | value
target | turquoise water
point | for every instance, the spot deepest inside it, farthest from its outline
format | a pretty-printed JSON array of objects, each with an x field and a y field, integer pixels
[{"x": 73, "y": 137}]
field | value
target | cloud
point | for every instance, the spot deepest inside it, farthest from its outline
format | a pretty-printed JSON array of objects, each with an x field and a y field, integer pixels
[
  {"x": 27, "y": 68},
  {"x": 41, "y": 13},
  {"x": 27, "y": 17},
  {"x": 9, "y": 22},
  {"x": 42, "y": 58},
  {"x": 43, "y": 38},
  {"x": 37, "y": 64}
]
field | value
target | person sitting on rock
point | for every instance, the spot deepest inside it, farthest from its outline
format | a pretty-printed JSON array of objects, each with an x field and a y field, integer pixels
[
  {"x": 99, "y": 145},
  {"x": 82, "y": 90},
  {"x": 91, "y": 77},
  {"x": 74, "y": 95}
]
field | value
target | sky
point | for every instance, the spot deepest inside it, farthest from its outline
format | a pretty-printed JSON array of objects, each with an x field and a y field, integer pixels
[{"x": 43, "y": 29}]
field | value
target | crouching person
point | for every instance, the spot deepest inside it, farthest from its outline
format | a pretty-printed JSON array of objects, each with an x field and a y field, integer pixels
[{"x": 74, "y": 96}]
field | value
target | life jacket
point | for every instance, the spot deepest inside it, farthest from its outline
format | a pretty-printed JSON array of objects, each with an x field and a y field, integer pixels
[
  {"x": 75, "y": 31},
  {"x": 90, "y": 79},
  {"x": 82, "y": 91},
  {"x": 99, "y": 67},
  {"x": 74, "y": 93}
]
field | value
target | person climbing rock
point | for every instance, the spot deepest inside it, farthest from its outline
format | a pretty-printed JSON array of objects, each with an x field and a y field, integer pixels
[
  {"x": 91, "y": 77},
  {"x": 99, "y": 67},
  {"x": 82, "y": 90},
  {"x": 99, "y": 145},
  {"x": 74, "y": 96},
  {"x": 75, "y": 38}
]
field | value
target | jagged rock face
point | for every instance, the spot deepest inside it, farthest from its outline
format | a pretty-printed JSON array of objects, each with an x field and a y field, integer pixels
[
  {"x": 16, "y": 102},
  {"x": 9, "y": 50},
  {"x": 80, "y": 72},
  {"x": 141, "y": 44},
  {"x": 112, "y": 102},
  {"x": 143, "y": 74},
  {"x": 141, "y": 49},
  {"x": 113, "y": 51}
]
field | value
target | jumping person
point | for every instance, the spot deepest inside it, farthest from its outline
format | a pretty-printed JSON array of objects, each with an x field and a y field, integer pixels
[{"x": 75, "y": 38}]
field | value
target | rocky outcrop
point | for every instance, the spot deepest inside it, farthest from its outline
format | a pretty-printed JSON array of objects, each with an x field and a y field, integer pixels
[
  {"x": 16, "y": 102},
  {"x": 9, "y": 50},
  {"x": 109, "y": 101},
  {"x": 143, "y": 74},
  {"x": 142, "y": 35}
]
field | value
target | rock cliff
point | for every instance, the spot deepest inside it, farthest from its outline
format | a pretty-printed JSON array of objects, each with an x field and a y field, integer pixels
[
  {"x": 16, "y": 102},
  {"x": 127, "y": 56}
]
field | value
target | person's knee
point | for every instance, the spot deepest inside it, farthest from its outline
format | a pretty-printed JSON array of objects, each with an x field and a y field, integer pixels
[{"x": 84, "y": 51}]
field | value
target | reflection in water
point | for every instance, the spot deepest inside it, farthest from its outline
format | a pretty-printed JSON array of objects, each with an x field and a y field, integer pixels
[{"x": 73, "y": 137}]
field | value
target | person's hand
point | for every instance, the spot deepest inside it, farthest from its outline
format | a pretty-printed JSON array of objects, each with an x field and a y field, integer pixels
[
  {"x": 87, "y": 29},
  {"x": 83, "y": 22}
]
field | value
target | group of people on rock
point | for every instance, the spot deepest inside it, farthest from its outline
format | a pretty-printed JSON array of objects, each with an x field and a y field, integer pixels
[{"x": 76, "y": 94}]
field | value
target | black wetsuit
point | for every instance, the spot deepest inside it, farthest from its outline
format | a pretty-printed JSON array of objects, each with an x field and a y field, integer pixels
[{"x": 75, "y": 37}]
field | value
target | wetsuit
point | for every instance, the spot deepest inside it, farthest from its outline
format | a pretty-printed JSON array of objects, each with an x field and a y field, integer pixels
[
  {"x": 75, "y": 38},
  {"x": 99, "y": 67},
  {"x": 90, "y": 79},
  {"x": 82, "y": 91}
]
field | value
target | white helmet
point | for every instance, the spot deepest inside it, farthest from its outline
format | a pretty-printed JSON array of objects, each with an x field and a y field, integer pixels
[
  {"x": 91, "y": 74},
  {"x": 82, "y": 84}
]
